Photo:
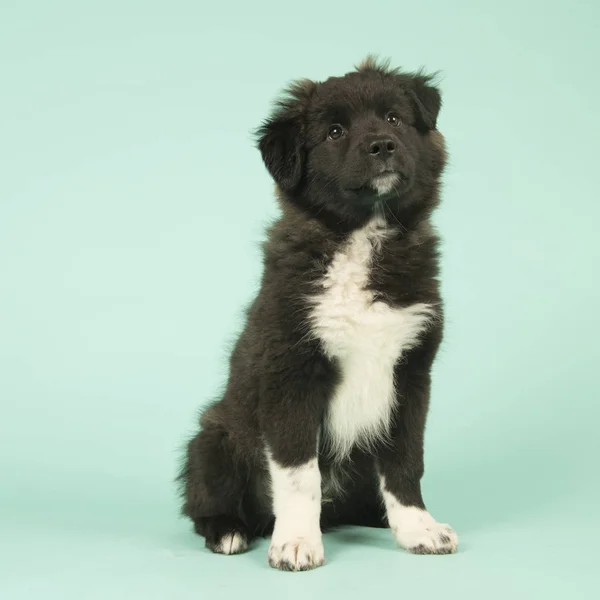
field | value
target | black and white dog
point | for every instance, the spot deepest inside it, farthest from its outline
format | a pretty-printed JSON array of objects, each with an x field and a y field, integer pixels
[{"x": 323, "y": 417}]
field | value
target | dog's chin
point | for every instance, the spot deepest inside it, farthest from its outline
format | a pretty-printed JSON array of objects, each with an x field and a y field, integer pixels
[
  {"x": 386, "y": 184},
  {"x": 381, "y": 187}
]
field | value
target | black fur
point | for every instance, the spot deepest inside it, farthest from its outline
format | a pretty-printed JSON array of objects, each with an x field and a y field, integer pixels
[{"x": 280, "y": 381}]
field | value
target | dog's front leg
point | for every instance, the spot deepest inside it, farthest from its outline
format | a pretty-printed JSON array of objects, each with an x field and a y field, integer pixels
[
  {"x": 400, "y": 467},
  {"x": 296, "y": 492},
  {"x": 290, "y": 421}
]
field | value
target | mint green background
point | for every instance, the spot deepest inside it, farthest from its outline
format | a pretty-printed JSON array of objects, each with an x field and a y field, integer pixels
[{"x": 125, "y": 150}]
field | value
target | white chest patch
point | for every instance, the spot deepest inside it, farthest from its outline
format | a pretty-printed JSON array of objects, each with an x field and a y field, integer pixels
[{"x": 366, "y": 338}]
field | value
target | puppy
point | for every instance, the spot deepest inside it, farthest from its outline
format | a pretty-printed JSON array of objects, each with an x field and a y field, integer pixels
[{"x": 322, "y": 420}]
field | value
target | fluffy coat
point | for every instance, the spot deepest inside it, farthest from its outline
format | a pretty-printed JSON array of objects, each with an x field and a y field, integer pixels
[{"x": 322, "y": 419}]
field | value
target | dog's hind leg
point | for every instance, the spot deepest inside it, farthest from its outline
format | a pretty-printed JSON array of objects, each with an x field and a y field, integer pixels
[
  {"x": 214, "y": 482},
  {"x": 224, "y": 534}
]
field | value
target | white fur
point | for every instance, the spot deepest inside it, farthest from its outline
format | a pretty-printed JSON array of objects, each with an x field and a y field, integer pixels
[
  {"x": 366, "y": 337},
  {"x": 296, "y": 544},
  {"x": 415, "y": 529},
  {"x": 232, "y": 543},
  {"x": 385, "y": 183}
]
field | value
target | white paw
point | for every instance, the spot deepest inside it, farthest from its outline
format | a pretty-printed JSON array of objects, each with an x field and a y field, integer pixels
[
  {"x": 300, "y": 554},
  {"x": 231, "y": 543},
  {"x": 426, "y": 536}
]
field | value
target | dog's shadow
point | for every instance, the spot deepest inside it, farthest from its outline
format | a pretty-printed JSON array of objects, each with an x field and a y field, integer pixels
[
  {"x": 481, "y": 491},
  {"x": 474, "y": 491},
  {"x": 501, "y": 481}
]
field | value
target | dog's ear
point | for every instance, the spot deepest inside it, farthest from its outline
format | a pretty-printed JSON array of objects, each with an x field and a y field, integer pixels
[
  {"x": 427, "y": 101},
  {"x": 425, "y": 96},
  {"x": 280, "y": 145},
  {"x": 281, "y": 138}
]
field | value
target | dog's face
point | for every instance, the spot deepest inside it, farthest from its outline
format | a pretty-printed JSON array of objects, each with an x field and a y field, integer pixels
[{"x": 352, "y": 144}]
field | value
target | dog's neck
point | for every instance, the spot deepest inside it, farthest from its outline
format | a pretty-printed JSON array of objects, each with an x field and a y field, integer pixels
[{"x": 312, "y": 218}]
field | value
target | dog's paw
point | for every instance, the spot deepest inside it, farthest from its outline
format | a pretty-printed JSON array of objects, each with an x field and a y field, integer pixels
[
  {"x": 297, "y": 555},
  {"x": 224, "y": 534},
  {"x": 435, "y": 539},
  {"x": 426, "y": 536},
  {"x": 231, "y": 543}
]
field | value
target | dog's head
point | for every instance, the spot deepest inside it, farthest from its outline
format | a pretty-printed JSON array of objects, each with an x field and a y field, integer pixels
[{"x": 351, "y": 144}]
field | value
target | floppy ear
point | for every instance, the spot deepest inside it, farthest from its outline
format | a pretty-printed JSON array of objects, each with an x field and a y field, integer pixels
[
  {"x": 428, "y": 101},
  {"x": 280, "y": 139},
  {"x": 280, "y": 144}
]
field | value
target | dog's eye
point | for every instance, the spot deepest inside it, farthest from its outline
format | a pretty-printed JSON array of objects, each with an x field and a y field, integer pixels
[
  {"x": 335, "y": 132},
  {"x": 394, "y": 119}
]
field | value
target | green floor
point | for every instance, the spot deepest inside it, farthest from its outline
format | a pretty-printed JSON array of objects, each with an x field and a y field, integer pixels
[{"x": 549, "y": 554}]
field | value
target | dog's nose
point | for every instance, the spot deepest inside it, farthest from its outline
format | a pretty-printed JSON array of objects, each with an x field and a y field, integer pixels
[{"x": 382, "y": 147}]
